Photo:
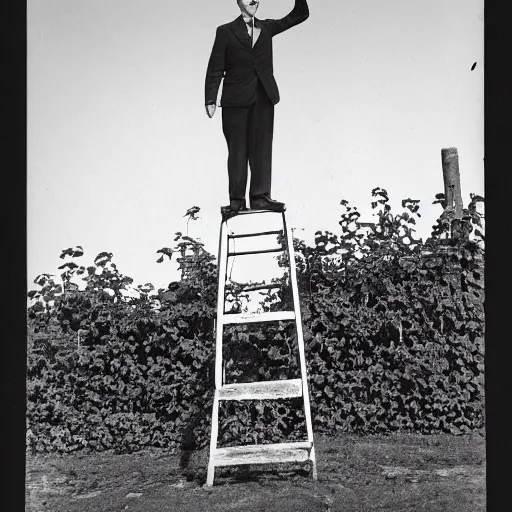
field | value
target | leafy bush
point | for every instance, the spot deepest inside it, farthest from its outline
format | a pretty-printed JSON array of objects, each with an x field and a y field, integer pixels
[
  {"x": 394, "y": 326},
  {"x": 393, "y": 329}
]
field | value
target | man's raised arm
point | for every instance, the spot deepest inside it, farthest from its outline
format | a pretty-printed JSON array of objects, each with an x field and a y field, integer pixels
[{"x": 297, "y": 15}]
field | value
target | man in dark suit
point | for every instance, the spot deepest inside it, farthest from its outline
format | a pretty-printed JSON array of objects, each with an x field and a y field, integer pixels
[{"x": 242, "y": 56}]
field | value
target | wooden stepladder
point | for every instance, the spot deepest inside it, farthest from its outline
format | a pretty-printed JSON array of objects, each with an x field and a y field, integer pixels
[{"x": 278, "y": 389}]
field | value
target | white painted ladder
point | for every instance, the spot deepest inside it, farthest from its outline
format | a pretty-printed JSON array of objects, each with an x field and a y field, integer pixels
[{"x": 258, "y": 453}]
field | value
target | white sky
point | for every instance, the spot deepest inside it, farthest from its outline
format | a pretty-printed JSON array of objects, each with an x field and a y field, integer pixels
[{"x": 119, "y": 145}]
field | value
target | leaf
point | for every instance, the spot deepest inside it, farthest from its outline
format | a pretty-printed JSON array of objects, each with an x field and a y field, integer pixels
[
  {"x": 103, "y": 258},
  {"x": 192, "y": 212},
  {"x": 70, "y": 265},
  {"x": 42, "y": 279},
  {"x": 164, "y": 251},
  {"x": 66, "y": 252},
  {"x": 78, "y": 251},
  {"x": 475, "y": 198},
  {"x": 73, "y": 252},
  {"x": 146, "y": 288}
]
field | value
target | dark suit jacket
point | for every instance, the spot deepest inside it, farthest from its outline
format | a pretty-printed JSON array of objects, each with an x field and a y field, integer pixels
[{"x": 241, "y": 66}]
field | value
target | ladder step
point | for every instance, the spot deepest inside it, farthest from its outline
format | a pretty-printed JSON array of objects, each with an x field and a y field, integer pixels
[
  {"x": 260, "y": 287},
  {"x": 248, "y": 318},
  {"x": 262, "y": 454},
  {"x": 245, "y": 235},
  {"x": 268, "y": 390},
  {"x": 251, "y": 211},
  {"x": 260, "y": 251}
]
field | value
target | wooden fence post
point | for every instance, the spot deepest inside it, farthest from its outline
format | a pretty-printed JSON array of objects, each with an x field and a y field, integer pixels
[
  {"x": 451, "y": 177},
  {"x": 452, "y": 190}
]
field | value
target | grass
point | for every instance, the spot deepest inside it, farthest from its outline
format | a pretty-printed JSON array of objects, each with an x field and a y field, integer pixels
[{"x": 396, "y": 473}]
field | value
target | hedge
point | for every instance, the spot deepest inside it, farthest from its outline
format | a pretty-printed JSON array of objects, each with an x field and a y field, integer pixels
[{"x": 393, "y": 329}]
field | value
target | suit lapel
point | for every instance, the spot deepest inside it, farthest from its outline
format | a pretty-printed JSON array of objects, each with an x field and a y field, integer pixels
[
  {"x": 239, "y": 29},
  {"x": 259, "y": 25}
]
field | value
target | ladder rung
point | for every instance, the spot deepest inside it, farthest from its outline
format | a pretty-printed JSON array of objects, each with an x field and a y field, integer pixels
[
  {"x": 245, "y": 235},
  {"x": 261, "y": 251},
  {"x": 248, "y": 318},
  {"x": 262, "y": 454},
  {"x": 268, "y": 390},
  {"x": 260, "y": 287}
]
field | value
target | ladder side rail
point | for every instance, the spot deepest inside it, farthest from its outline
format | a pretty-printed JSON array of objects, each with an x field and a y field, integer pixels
[
  {"x": 300, "y": 342},
  {"x": 220, "y": 305},
  {"x": 213, "y": 440},
  {"x": 219, "y": 327},
  {"x": 225, "y": 238},
  {"x": 216, "y": 320},
  {"x": 300, "y": 335}
]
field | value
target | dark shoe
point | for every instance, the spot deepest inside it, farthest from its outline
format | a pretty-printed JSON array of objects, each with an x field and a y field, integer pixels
[
  {"x": 237, "y": 204},
  {"x": 265, "y": 203},
  {"x": 234, "y": 208}
]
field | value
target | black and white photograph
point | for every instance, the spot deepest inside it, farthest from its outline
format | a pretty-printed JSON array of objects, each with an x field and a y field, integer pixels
[{"x": 255, "y": 256}]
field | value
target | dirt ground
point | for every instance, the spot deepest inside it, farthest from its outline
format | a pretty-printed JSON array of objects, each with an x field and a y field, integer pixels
[{"x": 398, "y": 473}]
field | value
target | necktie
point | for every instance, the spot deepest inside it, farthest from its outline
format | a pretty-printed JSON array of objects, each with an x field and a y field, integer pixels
[{"x": 253, "y": 30}]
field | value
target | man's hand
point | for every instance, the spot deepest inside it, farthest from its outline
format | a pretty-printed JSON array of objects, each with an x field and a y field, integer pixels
[{"x": 210, "y": 110}]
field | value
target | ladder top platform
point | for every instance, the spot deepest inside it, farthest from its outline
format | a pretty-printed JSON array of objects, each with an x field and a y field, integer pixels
[{"x": 227, "y": 213}]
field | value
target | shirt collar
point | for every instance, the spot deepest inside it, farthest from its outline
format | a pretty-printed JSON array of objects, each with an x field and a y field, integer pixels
[{"x": 249, "y": 21}]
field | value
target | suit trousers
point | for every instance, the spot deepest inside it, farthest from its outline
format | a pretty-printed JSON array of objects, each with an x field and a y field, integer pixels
[{"x": 249, "y": 132}]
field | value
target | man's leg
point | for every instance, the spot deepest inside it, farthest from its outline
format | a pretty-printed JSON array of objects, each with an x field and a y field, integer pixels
[
  {"x": 261, "y": 133},
  {"x": 234, "y": 126}
]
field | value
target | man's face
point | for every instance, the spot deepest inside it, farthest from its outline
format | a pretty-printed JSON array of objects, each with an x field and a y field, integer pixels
[{"x": 249, "y": 6}]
